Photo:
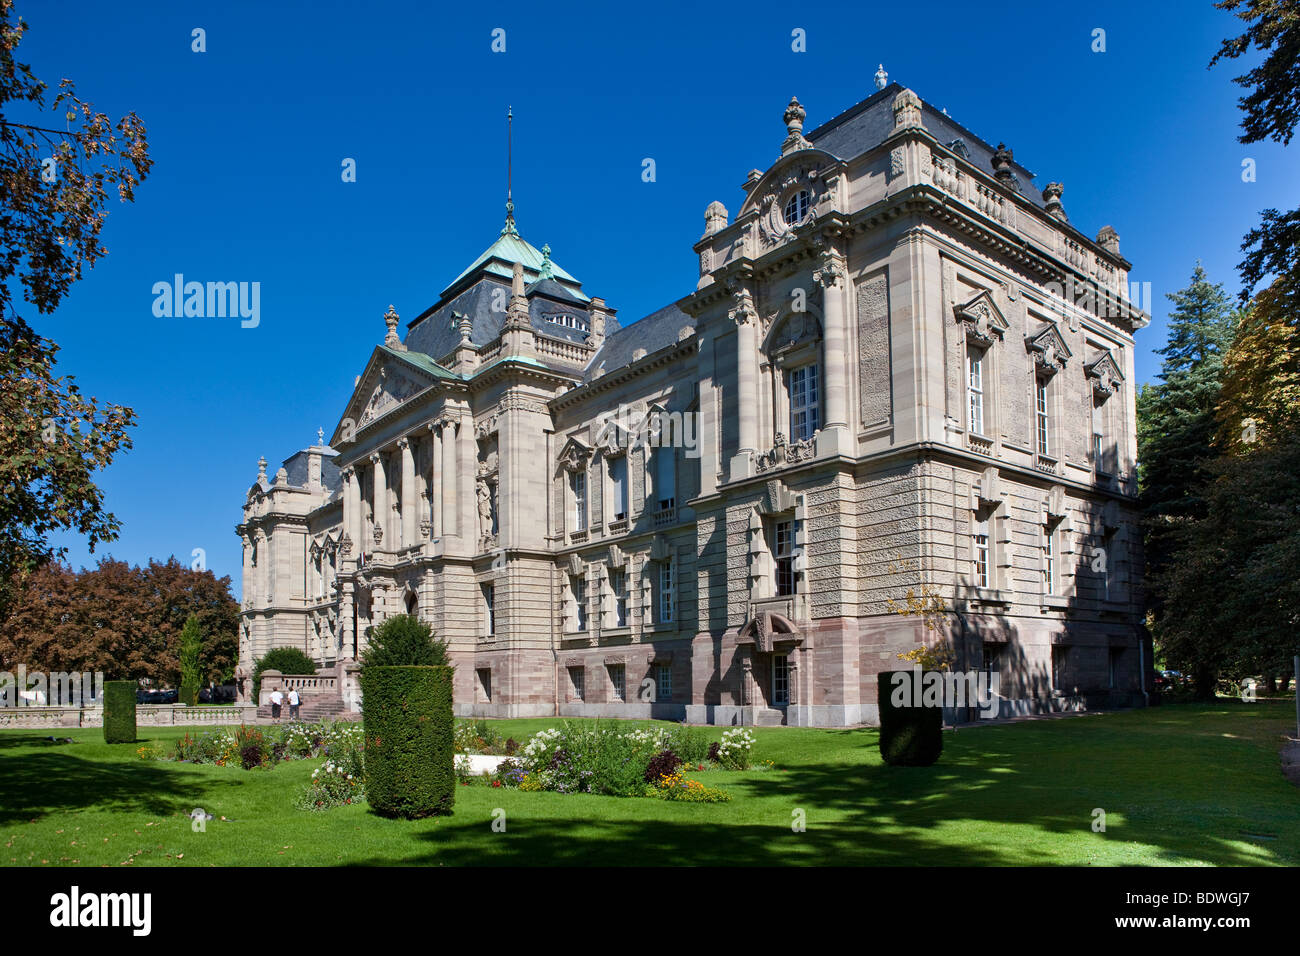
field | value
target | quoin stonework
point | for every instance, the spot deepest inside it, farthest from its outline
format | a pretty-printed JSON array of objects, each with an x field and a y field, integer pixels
[{"x": 903, "y": 367}]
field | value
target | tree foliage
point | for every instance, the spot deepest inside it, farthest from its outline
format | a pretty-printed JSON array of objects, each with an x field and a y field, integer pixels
[
  {"x": 121, "y": 619},
  {"x": 52, "y": 438},
  {"x": 286, "y": 660},
  {"x": 404, "y": 641}
]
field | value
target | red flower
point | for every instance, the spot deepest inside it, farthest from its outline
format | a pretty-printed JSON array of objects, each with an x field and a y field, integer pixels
[{"x": 496, "y": 783}]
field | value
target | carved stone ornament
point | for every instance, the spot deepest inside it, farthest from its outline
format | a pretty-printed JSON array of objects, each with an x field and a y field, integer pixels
[
  {"x": 1105, "y": 375},
  {"x": 574, "y": 455},
  {"x": 1048, "y": 348},
  {"x": 772, "y": 227},
  {"x": 379, "y": 535},
  {"x": 794, "y": 116},
  {"x": 831, "y": 271},
  {"x": 393, "y": 389},
  {"x": 782, "y": 454},
  {"x": 743, "y": 312},
  {"x": 984, "y": 321},
  {"x": 907, "y": 111}
]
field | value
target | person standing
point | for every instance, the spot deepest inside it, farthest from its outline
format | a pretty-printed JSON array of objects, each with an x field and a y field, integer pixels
[
  {"x": 295, "y": 702},
  {"x": 277, "y": 699}
]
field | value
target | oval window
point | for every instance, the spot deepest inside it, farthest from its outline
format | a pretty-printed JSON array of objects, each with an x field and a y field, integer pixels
[{"x": 796, "y": 207}]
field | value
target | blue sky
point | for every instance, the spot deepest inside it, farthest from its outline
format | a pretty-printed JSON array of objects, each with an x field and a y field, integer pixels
[{"x": 249, "y": 138}]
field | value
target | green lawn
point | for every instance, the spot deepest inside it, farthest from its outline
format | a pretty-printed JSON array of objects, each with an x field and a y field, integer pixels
[{"x": 1181, "y": 785}]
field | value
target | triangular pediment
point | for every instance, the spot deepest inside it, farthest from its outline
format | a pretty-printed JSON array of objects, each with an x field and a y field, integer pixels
[
  {"x": 983, "y": 319},
  {"x": 1104, "y": 372},
  {"x": 574, "y": 455},
  {"x": 390, "y": 380},
  {"x": 1048, "y": 348}
]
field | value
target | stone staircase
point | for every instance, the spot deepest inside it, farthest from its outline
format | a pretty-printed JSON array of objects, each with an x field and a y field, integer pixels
[{"x": 314, "y": 709}]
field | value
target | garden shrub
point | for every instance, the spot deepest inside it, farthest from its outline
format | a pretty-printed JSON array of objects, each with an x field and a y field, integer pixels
[
  {"x": 286, "y": 660},
  {"x": 689, "y": 743},
  {"x": 410, "y": 764},
  {"x": 119, "y": 711},
  {"x": 404, "y": 641},
  {"x": 662, "y": 764},
  {"x": 675, "y": 786},
  {"x": 909, "y": 736},
  {"x": 734, "y": 749},
  {"x": 191, "y": 669}
]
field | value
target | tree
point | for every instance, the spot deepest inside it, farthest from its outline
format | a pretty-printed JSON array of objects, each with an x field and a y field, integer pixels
[
  {"x": 191, "y": 669},
  {"x": 286, "y": 660},
  {"x": 54, "y": 185},
  {"x": 1176, "y": 422},
  {"x": 403, "y": 641}
]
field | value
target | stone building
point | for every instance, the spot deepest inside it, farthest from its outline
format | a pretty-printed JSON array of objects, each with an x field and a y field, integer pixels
[{"x": 902, "y": 371}]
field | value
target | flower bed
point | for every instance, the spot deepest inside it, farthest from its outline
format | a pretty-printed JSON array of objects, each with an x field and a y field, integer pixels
[{"x": 595, "y": 758}]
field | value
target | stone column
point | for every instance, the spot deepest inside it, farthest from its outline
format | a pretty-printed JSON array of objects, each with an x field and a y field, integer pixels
[
  {"x": 247, "y": 582},
  {"x": 435, "y": 479},
  {"x": 450, "y": 521},
  {"x": 352, "y": 510},
  {"x": 830, "y": 277},
  {"x": 379, "y": 505},
  {"x": 409, "y": 505},
  {"x": 746, "y": 319}
]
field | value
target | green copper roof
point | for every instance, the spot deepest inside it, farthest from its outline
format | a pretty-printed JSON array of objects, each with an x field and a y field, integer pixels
[
  {"x": 510, "y": 247},
  {"x": 420, "y": 361}
]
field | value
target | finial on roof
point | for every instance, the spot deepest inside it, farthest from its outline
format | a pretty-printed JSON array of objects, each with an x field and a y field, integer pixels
[
  {"x": 509, "y": 228},
  {"x": 794, "y": 117},
  {"x": 1002, "y": 159},
  {"x": 907, "y": 111},
  {"x": 1052, "y": 201},
  {"x": 882, "y": 78},
  {"x": 320, "y": 436},
  {"x": 261, "y": 468},
  {"x": 1108, "y": 239},
  {"x": 392, "y": 340},
  {"x": 546, "y": 272},
  {"x": 463, "y": 324},
  {"x": 715, "y": 218}
]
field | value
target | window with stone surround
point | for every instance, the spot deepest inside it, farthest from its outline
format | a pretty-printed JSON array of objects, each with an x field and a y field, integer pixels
[
  {"x": 618, "y": 585},
  {"x": 982, "y": 552},
  {"x": 578, "y": 590},
  {"x": 1049, "y": 559},
  {"x": 804, "y": 397},
  {"x": 1042, "y": 416},
  {"x": 484, "y": 675},
  {"x": 975, "y": 398},
  {"x": 663, "y": 682},
  {"x": 489, "y": 608},
  {"x": 664, "y": 484},
  {"x": 578, "y": 683},
  {"x": 780, "y": 679},
  {"x": 618, "y": 488},
  {"x": 796, "y": 208},
  {"x": 617, "y": 681},
  {"x": 578, "y": 500},
  {"x": 783, "y": 539},
  {"x": 1060, "y": 657},
  {"x": 667, "y": 591},
  {"x": 992, "y": 661}
]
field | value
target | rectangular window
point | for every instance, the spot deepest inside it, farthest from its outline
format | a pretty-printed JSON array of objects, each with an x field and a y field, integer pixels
[
  {"x": 1113, "y": 661},
  {"x": 665, "y": 480},
  {"x": 579, "y": 586},
  {"x": 975, "y": 388},
  {"x": 1040, "y": 413},
  {"x": 663, "y": 682},
  {"x": 618, "y": 680},
  {"x": 578, "y": 488},
  {"x": 982, "y": 553},
  {"x": 618, "y": 585},
  {"x": 780, "y": 679},
  {"x": 484, "y": 684},
  {"x": 803, "y": 402},
  {"x": 578, "y": 678},
  {"x": 667, "y": 591},
  {"x": 489, "y": 607},
  {"x": 783, "y": 554},
  {"x": 618, "y": 488},
  {"x": 1049, "y": 561}
]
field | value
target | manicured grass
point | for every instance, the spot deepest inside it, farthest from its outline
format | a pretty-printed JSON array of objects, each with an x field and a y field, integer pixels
[{"x": 1180, "y": 785}]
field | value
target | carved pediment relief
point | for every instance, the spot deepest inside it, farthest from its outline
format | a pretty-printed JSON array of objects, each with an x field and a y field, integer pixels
[
  {"x": 1048, "y": 348},
  {"x": 1104, "y": 374},
  {"x": 574, "y": 456},
  {"x": 792, "y": 332},
  {"x": 813, "y": 170},
  {"x": 391, "y": 387},
  {"x": 982, "y": 318}
]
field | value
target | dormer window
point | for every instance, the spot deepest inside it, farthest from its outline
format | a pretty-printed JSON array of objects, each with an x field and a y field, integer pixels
[
  {"x": 565, "y": 319},
  {"x": 796, "y": 208}
]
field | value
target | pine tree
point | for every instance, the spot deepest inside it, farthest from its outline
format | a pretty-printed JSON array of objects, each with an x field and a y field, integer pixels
[{"x": 191, "y": 668}]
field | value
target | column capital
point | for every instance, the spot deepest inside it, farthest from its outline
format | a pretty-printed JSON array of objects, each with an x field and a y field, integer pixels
[{"x": 403, "y": 443}]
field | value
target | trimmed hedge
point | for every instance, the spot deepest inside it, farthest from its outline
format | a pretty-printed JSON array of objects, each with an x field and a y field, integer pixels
[
  {"x": 409, "y": 756},
  {"x": 910, "y": 735},
  {"x": 119, "y": 711}
]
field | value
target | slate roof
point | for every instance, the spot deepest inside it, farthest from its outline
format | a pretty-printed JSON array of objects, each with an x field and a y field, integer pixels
[
  {"x": 296, "y": 466},
  {"x": 867, "y": 124},
  {"x": 657, "y": 330}
]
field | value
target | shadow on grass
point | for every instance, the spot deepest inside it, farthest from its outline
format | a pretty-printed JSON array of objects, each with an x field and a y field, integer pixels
[{"x": 57, "y": 780}]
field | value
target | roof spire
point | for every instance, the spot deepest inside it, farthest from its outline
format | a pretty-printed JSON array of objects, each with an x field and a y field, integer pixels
[
  {"x": 509, "y": 229},
  {"x": 882, "y": 78},
  {"x": 546, "y": 272}
]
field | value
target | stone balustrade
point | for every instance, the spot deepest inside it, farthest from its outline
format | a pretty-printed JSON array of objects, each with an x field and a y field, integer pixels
[{"x": 146, "y": 715}]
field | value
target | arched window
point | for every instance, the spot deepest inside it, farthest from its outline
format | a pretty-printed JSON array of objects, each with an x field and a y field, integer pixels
[{"x": 796, "y": 207}]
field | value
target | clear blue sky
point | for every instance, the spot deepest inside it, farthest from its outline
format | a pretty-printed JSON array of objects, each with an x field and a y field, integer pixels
[{"x": 249, "y": 138}]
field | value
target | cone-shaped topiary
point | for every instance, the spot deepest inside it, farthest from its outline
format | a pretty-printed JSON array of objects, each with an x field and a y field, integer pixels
[
  {"x": 403, "y": 641},
  {"x": 119, "y": 711},
  {"x": 409, "y": 756},
  {"x": 911, "y": 733}
]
